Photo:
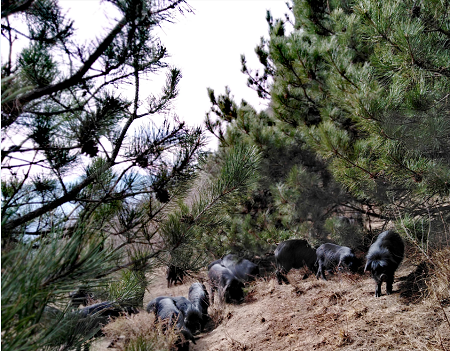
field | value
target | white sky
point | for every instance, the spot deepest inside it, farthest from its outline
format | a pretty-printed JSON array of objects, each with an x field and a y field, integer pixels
[{"x": 206, "y": 45}]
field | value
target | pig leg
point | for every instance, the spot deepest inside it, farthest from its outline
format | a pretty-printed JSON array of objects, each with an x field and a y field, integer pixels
[{"x": 389, "y": 282}]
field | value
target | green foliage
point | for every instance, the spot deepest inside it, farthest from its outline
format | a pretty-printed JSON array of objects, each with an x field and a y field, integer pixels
[
  {"x": 34, "y": 278},
  {"x": 129, "y": 290},
  {"x": 345, "y": 231},
  {"x": 38, "y": 68},
  {"x": 68, "y": 107},
  {"x": 196, "y": 227},
  {"x": 85, "y": 170},
  {"x": 428, "y": 234},
  {"x": 365, "y": 85},
  {"x": 295, "y": 193},
  {"x": 358, "y": 120}
]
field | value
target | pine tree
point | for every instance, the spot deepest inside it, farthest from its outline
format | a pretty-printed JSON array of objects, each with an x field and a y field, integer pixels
[
  {"x": 358, "y": 117},
  {"x": 366, "y": 86},
  {"x": 295, "y": 194},
  {"x": 94, "y": 194},
  {"x": 56, "y": 118}
]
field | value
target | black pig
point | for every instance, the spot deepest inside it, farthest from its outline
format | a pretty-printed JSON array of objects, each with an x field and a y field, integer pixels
[
  {"x": 242, "y": 268},
  {"x": 166, "y": 310},
  {"x": 222, "y": 279},
  {"x": 294, "y": 253},
  {"x": 199, "y": 297},
  {"x": 383, "y": 259},
  {"x": 331, "y": 256}
]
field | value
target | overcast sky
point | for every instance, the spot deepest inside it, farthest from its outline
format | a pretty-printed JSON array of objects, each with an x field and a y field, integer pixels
[{"x": 206, "y": 45}]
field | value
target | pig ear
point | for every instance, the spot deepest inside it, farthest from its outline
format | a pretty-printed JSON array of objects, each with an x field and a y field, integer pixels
[{"x": 369, "y": 263}]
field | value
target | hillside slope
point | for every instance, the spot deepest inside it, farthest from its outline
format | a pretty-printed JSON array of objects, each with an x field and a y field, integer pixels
[{"x": 339, "y": 314}]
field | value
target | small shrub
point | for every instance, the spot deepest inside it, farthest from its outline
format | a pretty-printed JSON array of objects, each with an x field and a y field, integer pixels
[
  {"x": 438, "y": 284},
  {"x": 431, "y": 239},
  {"x": 141, "y": 333},
  {"x": 344, "y": 338},
  {"x": 250, "y": 292},
  {"x": 217, "y": 313}
]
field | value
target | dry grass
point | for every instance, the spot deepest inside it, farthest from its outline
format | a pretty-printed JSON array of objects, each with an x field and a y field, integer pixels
[
  {"x": 141, "y": 332},
  {"x": 217, "y": 314},
  {"x": 438, "y": 284},
  {"x": 339, "y": 314},
  {"x": 439, "y": 288}
]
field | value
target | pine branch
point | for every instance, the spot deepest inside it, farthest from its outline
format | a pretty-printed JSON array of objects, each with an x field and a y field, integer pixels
[
  {"x": 16, "y": 109},
  {"x": 8, "y": 10}
]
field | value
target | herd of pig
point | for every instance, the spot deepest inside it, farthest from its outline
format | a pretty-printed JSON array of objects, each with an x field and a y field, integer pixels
[{"x": 228, "y": 275}]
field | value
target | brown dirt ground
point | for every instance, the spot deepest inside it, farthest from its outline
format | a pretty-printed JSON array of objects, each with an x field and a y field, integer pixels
[{"x": 339, "y": 314}]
